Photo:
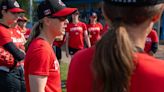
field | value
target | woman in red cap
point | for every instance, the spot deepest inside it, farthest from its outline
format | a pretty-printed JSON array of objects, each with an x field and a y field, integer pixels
[
  {"x": 42, "y": 72},
  {"x": 95, "y": 28},
  {"x": 118, "y": 62},
  {"x": 11, "y": 72}
]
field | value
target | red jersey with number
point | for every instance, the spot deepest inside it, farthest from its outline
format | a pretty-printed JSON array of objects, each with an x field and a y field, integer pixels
[
  {"x": 40, "y": 60},
  {"x": 151, "y": 38},
  {"x": 94, "y": 32},
  {"x": 148, "y": 75},
  {"x": 76, "y": 34}
]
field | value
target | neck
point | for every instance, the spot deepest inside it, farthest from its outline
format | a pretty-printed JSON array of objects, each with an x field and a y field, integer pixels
[
  {"x": 138, "y": 34},
  {"x": 5, "y": 23},
  {"x": 93, "y": 22},
  {"x": 75, "y": 21},
  {"x": 47, "y": 36}
]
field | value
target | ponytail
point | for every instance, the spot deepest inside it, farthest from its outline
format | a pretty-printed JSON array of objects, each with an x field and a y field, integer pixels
[
  {"x": 34, "y": 33},
  {"x": 113, "y": 64}
]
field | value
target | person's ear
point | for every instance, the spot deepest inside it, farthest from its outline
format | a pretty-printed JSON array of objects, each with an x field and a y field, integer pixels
[{"x": 46, "y": 20}]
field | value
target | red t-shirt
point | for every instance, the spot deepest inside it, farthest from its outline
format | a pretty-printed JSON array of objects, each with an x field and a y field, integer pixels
[
  {"x": 5, "y": 35},
  {"x": 27, "y": 33},
  {"x": 105, "y": 29},
  {"x": 40, "y": 60},
  {"x": 151, "y": 38},
  {"x": 76, "y": 34},
  {"x": 94, "y": 32},
  {"x": 59, "y": 43},
  {"x": 17, "y": 37},
  {"x": 147, "y": 77}
]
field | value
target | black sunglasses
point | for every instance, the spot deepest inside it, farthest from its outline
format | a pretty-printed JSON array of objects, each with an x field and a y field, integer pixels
[{"x": 59, "y": 18}]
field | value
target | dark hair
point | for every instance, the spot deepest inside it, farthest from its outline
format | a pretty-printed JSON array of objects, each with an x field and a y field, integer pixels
[
  {"x": 34, "y": 33},
  {"x": 113, "y": 59}
]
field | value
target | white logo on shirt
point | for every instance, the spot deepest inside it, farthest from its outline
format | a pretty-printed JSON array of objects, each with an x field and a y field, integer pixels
[
  {"x": 76, "y": 29},
  {"x": 148, "y": 39},
  {"x": 56, "y": 65},
  {"x": 93, "y": 29}
]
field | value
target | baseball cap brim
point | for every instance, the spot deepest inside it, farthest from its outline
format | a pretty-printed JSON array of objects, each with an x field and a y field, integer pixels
[
  {"x": 64, "y": 12},
  {"x": 16, "y": 10}
]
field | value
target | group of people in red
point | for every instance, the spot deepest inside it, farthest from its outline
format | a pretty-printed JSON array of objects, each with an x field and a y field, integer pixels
[
  {"x": 114, "y": 62},
  {"x": 79, "y": 35}
]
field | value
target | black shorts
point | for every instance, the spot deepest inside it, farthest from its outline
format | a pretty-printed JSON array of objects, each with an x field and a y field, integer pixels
[{"x": 72, "y": 51}]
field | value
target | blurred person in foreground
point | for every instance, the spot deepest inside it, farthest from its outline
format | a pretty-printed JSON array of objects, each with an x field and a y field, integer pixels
[{"x": 118, "y": 62}]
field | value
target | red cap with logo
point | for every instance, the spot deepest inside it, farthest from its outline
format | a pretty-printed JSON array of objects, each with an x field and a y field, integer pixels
[
  {"x": 11, "y": 5},
  {"x": 54, "y": 8}
]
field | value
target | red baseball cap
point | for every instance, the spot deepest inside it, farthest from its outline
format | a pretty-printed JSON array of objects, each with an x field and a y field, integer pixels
[
  {"x": 54, "y": 8},
  {"x": 12, "y": 6}
]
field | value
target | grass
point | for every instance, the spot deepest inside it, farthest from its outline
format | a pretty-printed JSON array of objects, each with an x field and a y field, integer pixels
[{"x": 64, "y": 71}]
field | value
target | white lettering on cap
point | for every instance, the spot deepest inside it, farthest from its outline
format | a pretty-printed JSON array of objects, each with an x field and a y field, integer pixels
[
  {"x": 16, "y": 4},
  {"x": 61, "y": 3},
  {"x": 47, "y": 12}
]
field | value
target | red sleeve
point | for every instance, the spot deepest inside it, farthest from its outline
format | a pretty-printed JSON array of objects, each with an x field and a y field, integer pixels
[
  {"x": 68, "y": 28},
  {"x": 155, "y": 36},
  {"x": 39, "y": 62},
  {"x": 84, "y": 27},
  {"x": 101, "y": 27},
  {"x": 5, "y": 36}
]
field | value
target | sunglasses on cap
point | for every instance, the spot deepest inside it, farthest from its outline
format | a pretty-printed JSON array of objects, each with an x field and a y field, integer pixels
[{"x": 59, "y": 18}]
